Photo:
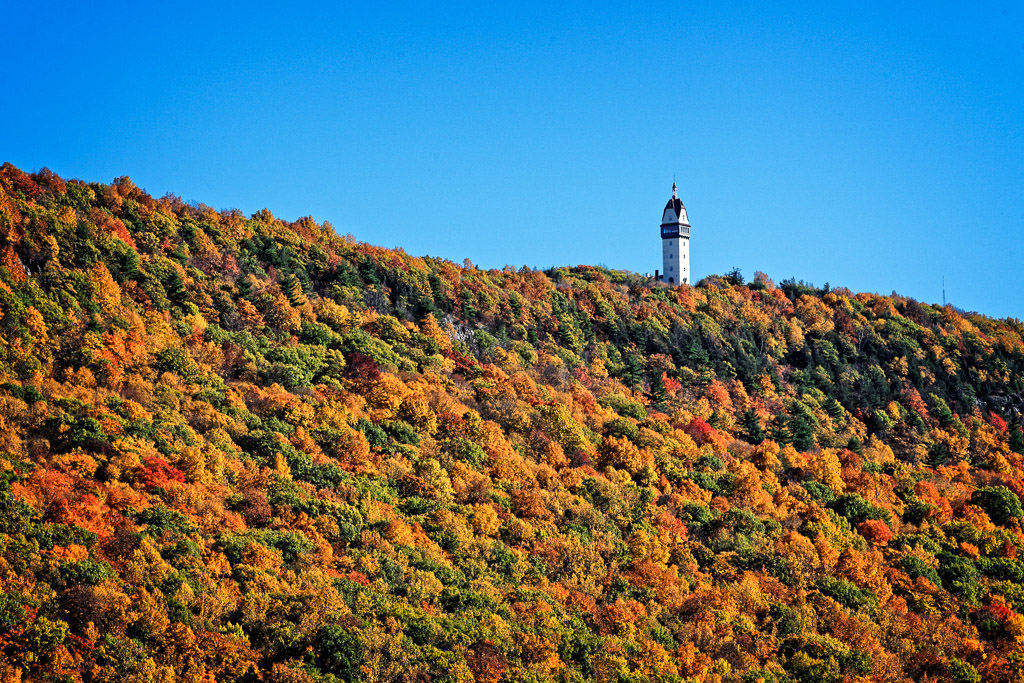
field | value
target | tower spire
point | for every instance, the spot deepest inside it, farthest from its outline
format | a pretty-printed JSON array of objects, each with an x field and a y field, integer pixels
[{"x": 675, "y": 195}]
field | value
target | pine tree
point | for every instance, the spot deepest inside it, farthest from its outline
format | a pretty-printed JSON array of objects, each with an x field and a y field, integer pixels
[
  {"x": 657, "y": 394},
  {"x": 752, "y": 427},
  {"x": 834, "y": 408},
  {"x": 1017, "y": 440},
  {"x": 802, "y": 425},
  {"x": 780, "y": 431},
  {"x": 632, "y": 372}
]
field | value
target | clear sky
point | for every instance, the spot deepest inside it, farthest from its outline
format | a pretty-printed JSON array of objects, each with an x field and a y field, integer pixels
[{"x": 874, "y": 145}]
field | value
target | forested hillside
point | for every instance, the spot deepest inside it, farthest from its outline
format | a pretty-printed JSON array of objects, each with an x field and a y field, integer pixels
[{"x": 238, "y": 448}]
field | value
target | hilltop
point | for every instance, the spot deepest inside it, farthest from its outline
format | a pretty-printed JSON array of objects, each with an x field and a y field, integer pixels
[{"x": 238, "y": 448}]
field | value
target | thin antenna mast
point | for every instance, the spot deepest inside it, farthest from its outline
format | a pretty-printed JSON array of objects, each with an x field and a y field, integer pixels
[{"x": 943, "y": 291}]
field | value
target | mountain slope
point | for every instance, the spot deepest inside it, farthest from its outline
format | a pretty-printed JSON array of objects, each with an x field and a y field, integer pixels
[{"x": 246, "y": 449}]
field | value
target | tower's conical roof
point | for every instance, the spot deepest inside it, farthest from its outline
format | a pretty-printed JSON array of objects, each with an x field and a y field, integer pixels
[{"x": 675, "y": 205}]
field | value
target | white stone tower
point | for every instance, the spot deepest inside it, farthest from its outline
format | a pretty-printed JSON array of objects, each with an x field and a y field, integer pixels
[{"x": 675, "y": 241}]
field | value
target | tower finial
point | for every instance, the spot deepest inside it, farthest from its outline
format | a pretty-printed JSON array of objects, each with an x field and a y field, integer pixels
[{"x": 674, "y": 195}]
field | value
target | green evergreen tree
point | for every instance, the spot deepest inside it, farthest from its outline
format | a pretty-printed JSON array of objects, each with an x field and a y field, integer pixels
[
  {"x": 657, "y": 394},
  {"x": 752, "y": 427},
  {"x": 780, "y": 431},
  {"x": 834, "y": 409},
  {"x": 632, "y": 371},
  {"x": 1017, "y": 440},
  {"x": 940, "y": 410},
  {"x": 801, "y": 425}
]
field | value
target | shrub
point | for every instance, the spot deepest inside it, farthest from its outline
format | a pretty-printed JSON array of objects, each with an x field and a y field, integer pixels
[
  {"x": 916, "y": 567},
  {"x": 959, "y": 575},
  {"x": 402, "y": 432},
  {"x": 468, "y": 452},
  {"x": 11, "y": 610},
  {"x": 962, "y": 672},
  {"x": 624, "y": 406},
  {"x": 847, "y": 593},
  {"x": 819, "y": 491},
  {"x": 376, "y": 436},
  {"x": 87, "y": 571},
  {"x": 999, "y": 502},
  {"x": 620, "y": 426},
  {"x": 338, "y": 651},
  {"x": 855, "y": 508}
]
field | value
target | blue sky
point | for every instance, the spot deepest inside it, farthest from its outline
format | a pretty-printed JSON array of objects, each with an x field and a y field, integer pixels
[{"x": 873, "y": 145}]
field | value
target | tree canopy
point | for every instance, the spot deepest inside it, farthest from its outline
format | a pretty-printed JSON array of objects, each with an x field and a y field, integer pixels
[{"x": 242, "y": 448}]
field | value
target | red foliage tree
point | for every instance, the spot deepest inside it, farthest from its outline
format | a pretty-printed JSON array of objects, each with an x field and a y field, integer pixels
[
  {"x": 485, "y": 661},
  {"x": 700, "y": 431},
  {"x": 361, "y": 369},
  {"x": 875, "y": 531},
  {"x": 158, "y": 473}
]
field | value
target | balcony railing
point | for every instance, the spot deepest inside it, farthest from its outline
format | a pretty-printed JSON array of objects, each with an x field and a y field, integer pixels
[{"x": 670, "y": 231}]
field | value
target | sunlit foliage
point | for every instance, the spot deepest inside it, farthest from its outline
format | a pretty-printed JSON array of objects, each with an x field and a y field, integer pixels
[{"x": 240, "y": 448}]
